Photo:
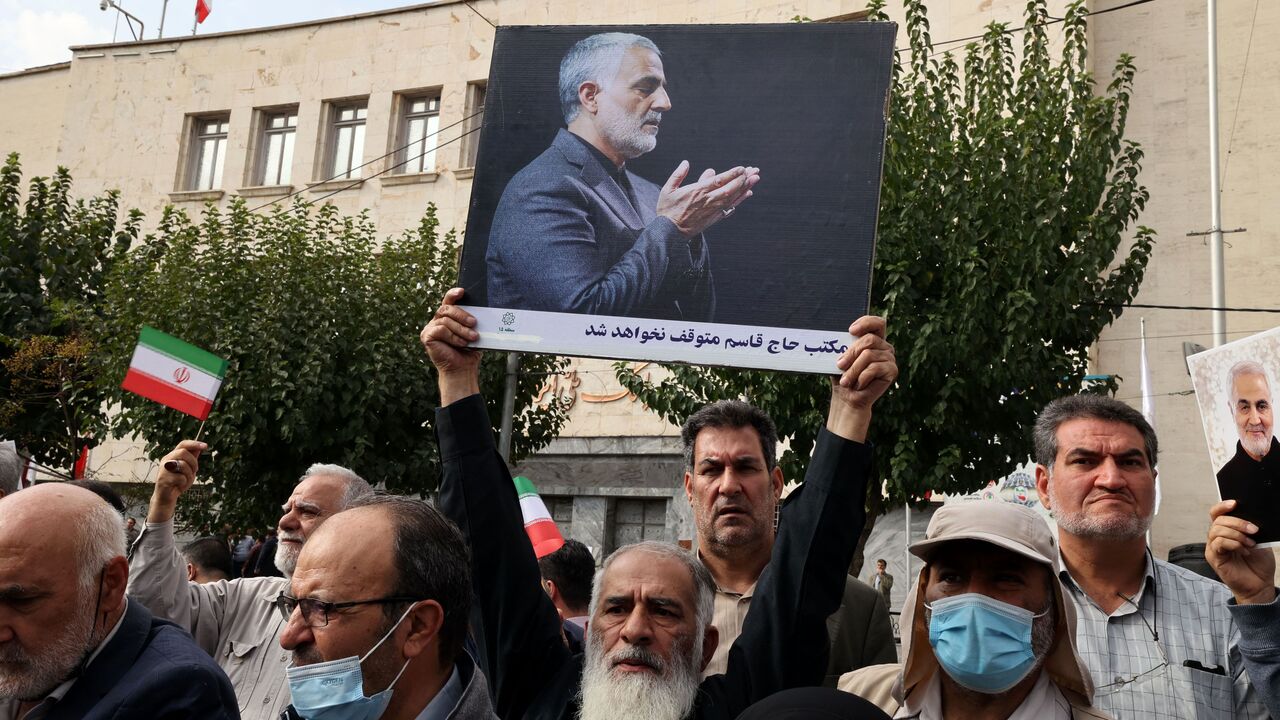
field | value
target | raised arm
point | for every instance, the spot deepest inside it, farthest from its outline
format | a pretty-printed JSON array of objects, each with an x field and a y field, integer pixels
[
  {"x": 784, "y": 641},
  {"x": 516, "y": 628}
]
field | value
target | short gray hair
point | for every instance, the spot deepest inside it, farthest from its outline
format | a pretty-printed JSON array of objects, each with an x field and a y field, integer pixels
[
  {"x": 594, "y": 59},
  {"x": 356, "y": 486},
  {"x": 704, "y": 586},
  {"x": 10, "y": 468},
  {"x": 99, "y": 540},
  {"x": 1248, "y": 367},
  {"x": 1092, "y": 407}
]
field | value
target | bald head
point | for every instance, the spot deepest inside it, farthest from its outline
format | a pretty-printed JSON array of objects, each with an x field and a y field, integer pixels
[{"x": 45, "y": 531}]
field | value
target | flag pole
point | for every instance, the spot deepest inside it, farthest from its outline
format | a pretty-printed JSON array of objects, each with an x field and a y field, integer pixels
[{"x": 201, "y": 430}]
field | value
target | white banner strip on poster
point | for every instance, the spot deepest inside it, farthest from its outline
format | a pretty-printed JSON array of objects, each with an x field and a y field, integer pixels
[{"x": 765, "y": 348}]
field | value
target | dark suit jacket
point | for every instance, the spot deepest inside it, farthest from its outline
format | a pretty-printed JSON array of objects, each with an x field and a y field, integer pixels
[
  {"x": 1255, "y": 486},
  {"x": 784, "y": 642},
  {"x": 565, "y": 238},
  {"x": 151, "y": 670},
  {"x": 860, "y": 631}
]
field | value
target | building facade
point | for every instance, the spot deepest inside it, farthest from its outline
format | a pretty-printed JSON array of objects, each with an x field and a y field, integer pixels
[{"x": 377, "y": 112}]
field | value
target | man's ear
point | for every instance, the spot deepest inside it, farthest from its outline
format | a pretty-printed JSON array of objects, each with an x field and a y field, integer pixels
[
  {"x": 192, "y": 573},
  {"x": 1042, "y": 485},
  {"x": 710, "y": 641},
  {"x": 550, "y": 587},
  {"x": 587, "y": 93},
  {"x": 777, "y": 481},
  {"x": 424, "y": 621},
  {"x": 688, "y": 487},
  {"x": 114, "y": 579}
]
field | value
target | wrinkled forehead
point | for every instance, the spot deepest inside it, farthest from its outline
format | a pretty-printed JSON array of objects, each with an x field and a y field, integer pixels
[
  {"x": 320, "y": 492},
  {"x": 639, "y": 62},
  {"x": 641, "y": 575},
  {"x": 1250, "y": 386}
]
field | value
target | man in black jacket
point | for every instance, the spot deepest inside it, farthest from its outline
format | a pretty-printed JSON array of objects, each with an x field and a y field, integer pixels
[{"x": 650, "y": 618}]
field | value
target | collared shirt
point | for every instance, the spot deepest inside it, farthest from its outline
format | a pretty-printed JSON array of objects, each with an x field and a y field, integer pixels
[
  {"x": 730, "y": 612},
  {"x": 445, "y": 701},
  {"x": 1044, "y": 702},
  {"x": 42, "y": 710},
  {"x": 1139, "y": 674}
]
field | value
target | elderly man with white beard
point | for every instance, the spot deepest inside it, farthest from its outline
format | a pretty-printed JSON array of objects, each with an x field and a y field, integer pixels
[
  {"x": 650, "y": 632},
  {"x": 235, "y": 621},
  {"x": 72, "y": 646}
]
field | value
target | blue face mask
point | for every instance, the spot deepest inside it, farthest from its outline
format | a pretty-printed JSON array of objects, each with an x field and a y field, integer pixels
[
  {"x": 334, "y": 690},
  {"x": 982, "y": 643}
]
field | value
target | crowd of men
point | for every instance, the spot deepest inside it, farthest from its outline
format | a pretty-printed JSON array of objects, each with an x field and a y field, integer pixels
[
  {"x": 396, "y": 608},
  {"x": 391, "y": 607}
]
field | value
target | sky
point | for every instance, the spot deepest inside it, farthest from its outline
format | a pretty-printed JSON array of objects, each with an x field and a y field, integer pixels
[{"x": 38, "y": 32}]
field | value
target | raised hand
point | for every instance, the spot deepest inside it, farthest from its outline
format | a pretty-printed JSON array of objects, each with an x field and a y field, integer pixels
[{"x": 697, "y": 206}]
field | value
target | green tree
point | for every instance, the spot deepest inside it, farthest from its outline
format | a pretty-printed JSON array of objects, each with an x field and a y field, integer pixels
[
  {"x": 1005, "y": 247},
  {"x": 55, "y": 255},
  {"x": 320, "y": 326}
]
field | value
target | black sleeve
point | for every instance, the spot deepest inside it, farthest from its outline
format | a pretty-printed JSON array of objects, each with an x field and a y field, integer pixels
[
  {"x": 516, "y": 627},
  {"x": 784, "y": 642}
]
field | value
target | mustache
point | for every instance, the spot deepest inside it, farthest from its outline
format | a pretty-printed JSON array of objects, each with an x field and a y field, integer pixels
[
  {"x": 652, "y": 116},
  {"x": 636, "y": 654},
  {"x": 289, "y": 536}
]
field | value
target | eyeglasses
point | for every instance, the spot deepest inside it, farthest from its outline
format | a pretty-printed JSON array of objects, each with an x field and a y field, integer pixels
[
  {"x": 315, "y": 613},
  {"x": 1121, "y": 681}
]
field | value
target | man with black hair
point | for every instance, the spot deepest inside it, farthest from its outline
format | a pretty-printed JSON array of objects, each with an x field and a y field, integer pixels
[
  {"x": 208, "y": 560},
  {"x": 566, "y": 576}
]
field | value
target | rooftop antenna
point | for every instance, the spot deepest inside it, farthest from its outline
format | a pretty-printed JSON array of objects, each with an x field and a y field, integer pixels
[{"x": 129, "y": 18}]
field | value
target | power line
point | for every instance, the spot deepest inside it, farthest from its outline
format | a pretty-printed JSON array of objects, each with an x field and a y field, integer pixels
[
  {"x": 1244, "y": 70},
  {"x": 1010, "y": 31},
  {"x": 477, "y": 12},
  {"x": 1190, "y": 307}
]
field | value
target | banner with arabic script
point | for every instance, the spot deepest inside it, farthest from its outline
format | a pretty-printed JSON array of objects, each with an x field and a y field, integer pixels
[{"x": 699, "y": 194}]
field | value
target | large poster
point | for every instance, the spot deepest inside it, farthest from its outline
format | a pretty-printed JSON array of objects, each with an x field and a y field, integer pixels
[
  {"x": 1235, "y": 389},
  {"x": 702, "y": 194}
]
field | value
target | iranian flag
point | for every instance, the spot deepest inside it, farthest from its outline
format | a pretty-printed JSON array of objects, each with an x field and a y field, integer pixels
[
  {"x": 203, "y": 8},
  {"x": 541, "y": 529},
  {"x": 174, "y": 373}
]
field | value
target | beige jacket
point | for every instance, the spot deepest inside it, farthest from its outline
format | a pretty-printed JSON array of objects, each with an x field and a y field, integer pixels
[
  {"x": 234, "y": 621},
  {"x": 891, "y": 686}
]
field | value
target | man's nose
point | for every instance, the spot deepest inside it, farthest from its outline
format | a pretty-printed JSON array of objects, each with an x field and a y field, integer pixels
[
  {"x": 661, "y": 101},
  {"x": 288, "y": 521},
  {"x": 1109, "y": 474},
  {"x": 296, "y": 632},
  {"x": 730, "y": 483},
  {"x": 637, "y": 630}
]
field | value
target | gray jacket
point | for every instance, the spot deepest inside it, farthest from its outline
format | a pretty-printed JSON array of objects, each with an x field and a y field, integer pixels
[
  {"x": 1260, "y": 647},
  {"x": 234, "y": 621}
]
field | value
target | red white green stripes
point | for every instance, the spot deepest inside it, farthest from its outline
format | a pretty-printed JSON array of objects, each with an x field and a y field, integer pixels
[
  {"x": 541, "y": 529},
  {"x": 174, "y": 373}
]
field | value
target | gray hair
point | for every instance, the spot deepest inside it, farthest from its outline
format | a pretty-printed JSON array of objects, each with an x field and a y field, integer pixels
[
  {"x": 731, "y": 414},
  {"x": 1092, "y": 407},
  {"x": 594, "y": 59},
  {"x": 10, "y": 468},
  {"x": 704, "y": 586},
  {"x": 356, "y": 486},
  {"x": 99, "y": 540},
  {"x": 1248, "y": 367},
  {"x": 433, "y": 563}
]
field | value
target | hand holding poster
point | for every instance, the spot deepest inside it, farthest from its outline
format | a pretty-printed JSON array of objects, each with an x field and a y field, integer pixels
[
  {"x": 1234, "y": 387},
  {"x": 701, "y": 194}
]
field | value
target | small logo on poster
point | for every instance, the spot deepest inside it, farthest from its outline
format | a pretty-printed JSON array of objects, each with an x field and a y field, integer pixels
[
  {"x": 181, "y": 375},
  {"x": 508, "y": 322}
]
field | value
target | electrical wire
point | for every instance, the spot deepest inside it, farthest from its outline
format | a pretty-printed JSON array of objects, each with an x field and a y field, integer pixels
[{"x": 1244, "y": 70}]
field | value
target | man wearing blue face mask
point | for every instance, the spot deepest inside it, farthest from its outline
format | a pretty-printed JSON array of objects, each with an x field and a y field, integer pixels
[
  {"x": 987, "y": 632},
  {"x": 376, "y": 615}
]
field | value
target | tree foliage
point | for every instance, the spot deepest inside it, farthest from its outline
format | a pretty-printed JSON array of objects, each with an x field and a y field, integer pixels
[
  {"x": 320, "y": 326},
  {"x": 1007, "y": 242},
  {"x": 55, "y": 255}
]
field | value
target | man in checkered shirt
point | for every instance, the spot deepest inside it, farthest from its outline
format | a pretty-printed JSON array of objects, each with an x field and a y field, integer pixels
[{"x": 1159, "y": 640}]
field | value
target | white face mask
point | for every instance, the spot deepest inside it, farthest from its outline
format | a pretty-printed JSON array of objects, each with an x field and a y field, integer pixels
[{"x": 334, "y": 690}]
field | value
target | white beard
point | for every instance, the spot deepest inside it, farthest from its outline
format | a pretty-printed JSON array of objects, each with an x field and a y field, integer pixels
[
  {"x": 286, "y": 557},
  {"x": 27, "y": 677},
  {"x": 1257, "y": 448},
  {"x": 626, "y": 133},
  {"x": 607, "y": 695}
]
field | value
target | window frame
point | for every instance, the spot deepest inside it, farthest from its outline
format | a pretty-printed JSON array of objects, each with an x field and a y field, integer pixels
[
  {"x": 477, "y": 95},
  {"x": 335, "y": 126},
  {"x": 406, "y": 160},
  {"x": 265, "y": 133},
  {"x": 196, "y": 152}
]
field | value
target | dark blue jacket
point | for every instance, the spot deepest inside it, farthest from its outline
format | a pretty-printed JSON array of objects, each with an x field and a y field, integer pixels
[
  {"x": 566, "y": 238},
  {"x": 151, "y": 670}
]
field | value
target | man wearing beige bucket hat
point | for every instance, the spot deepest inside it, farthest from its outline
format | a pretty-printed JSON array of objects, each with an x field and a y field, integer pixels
[{"x": 987, "y": 629}]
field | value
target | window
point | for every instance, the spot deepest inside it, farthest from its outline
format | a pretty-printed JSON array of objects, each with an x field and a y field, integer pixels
[
  {"x": 276, "y": 155},
  {"x": 347, "y": 140},
  {"x": 637, "y": 519},
  {"x": 208, "y": 152},
  {"x": 419, "y": 123},
  {"x": 475, "y": 120},
  {"x": 561, "y": 509}
]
